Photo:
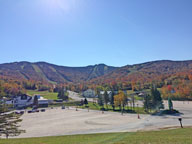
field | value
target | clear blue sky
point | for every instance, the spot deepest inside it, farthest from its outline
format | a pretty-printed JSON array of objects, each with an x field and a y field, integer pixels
[{"x": 87, "y": 32}]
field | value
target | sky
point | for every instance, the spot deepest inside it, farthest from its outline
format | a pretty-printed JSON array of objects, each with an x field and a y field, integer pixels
[{"x": 88, "y": 32}]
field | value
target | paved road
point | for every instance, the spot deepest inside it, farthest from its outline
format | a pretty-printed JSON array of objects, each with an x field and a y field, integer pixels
[
  {"x": 75, "y": 96},
  {"x": 55, "y": 122}
]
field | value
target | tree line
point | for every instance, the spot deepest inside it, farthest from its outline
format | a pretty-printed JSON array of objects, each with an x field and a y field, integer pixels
[{"x": 120, "y": 99}]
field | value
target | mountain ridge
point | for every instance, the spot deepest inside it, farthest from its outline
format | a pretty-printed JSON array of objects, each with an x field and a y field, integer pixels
[
  {"x": 43, "y": 71},
  {"x": 51, "y": 73}
]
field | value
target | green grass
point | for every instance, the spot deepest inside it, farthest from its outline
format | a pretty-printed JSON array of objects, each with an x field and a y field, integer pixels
[
  {"x": 177, "y": 136},
  {"x": 95, "y": 106},
  {"x": 53, "y": 96},
  {"x": 45, "y": 94}
]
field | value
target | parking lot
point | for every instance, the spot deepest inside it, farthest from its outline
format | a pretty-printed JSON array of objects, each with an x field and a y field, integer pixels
[
  {"x": 69, "y": 121},
  {"x": 56, "y": 122}
]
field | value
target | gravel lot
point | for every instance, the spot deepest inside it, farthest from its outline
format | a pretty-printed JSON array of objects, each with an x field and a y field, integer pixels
[{"x": 56, "y": 122}]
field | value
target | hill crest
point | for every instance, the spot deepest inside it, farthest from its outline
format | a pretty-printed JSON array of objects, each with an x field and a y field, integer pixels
[{"x": 43, "y": 71}]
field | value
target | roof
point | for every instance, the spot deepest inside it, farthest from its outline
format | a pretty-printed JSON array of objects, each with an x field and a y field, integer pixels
[
  {"x": 40, "y": 97},
  {"x": 88, "y": 90},
  {"x": 108, "y": 92}
]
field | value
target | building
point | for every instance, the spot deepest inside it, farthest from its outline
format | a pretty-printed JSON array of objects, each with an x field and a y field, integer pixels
[
  {"x": 89, "y": 93},
  {"x": 21, "y": 101},
  {"x": 42, "y": 102},
  {"x": 24, "y": 101},
  {"x": 108, "y": 92}
]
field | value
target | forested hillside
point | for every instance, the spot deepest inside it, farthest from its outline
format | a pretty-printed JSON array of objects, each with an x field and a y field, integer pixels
[
  {"x": 173, "y": 77},
  {"x": 150, "y": 71},
  {"x": 46, "y": 72}
]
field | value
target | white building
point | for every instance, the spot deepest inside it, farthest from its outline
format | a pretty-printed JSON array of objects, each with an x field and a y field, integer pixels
[
  {"x": 24, "y": 101},
  {"x": 20, "y": 101},
  {"x": 42, "y": 102},
  {"x": 108, "y": 92},
  {"x": 89, "y": 93}
]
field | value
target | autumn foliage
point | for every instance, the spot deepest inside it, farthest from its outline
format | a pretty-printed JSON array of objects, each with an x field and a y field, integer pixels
[{"x": 174, "y": 79}]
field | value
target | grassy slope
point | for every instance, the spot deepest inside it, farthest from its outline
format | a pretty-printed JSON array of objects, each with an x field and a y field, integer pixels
[
  {"x": 178, "y": 136},
  {"x": 45, "y": 94}
]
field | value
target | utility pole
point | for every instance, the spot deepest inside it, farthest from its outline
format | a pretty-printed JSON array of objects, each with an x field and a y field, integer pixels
[{"x": 138, "y": 111}]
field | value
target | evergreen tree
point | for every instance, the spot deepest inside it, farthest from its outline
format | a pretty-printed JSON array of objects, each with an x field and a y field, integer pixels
[
  {"x": 112, "y": 100},
  {"x": 147, "y": 99},
  {"x": 85, "y": 102},
  {"x": 35, "y": 102},
  {"x": 106, "y": 99},
  {"x": 157, "y": 101},
  {"x": 8, "y": 120},
  {"x": 62, "y": 94},
  {"x": 100, "y": 101},
  {"x": 170, "y": 104}
]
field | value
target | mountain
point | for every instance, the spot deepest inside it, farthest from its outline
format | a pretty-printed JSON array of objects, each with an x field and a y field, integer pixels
[
  {"x": 155, "y": 67},
  {"x": 42, "y": 71},
  {"x": 144, "y": 72},
  {"x": 101, "y": 73},
  {"x": 173, "y": 77}
]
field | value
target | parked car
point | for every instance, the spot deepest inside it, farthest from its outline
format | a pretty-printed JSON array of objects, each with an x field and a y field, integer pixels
[
  {"x": 42, "y": 110},
  {"x": 35, "y": 110},
  {"x": 17, "y": 112},
  {"x": 20, "y": 112},
  {"x": 30, "y": 111}
]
